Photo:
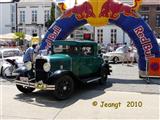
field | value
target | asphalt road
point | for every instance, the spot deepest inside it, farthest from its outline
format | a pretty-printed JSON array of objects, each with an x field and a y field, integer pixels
[{"x": 89, "y": 101}]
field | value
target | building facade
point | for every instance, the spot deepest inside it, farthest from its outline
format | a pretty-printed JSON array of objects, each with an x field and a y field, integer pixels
[
  {"x": 82, "y": 33},
  {"x": 150, "y": 12},
  {"x": 32, "y": 16},
  {"x": 111, "y": 34},
  {"x": 8, "y": 18}
]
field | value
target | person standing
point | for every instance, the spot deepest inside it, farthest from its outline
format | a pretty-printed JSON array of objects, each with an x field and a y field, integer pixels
[
  {"x": 126, "y": 54},
  {"x": 132, "y": 54},
  {"x": 29, "y": 54}
]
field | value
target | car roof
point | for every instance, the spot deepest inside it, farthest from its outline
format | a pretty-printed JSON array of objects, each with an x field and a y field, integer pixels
[{"x": 74, "y": 43}]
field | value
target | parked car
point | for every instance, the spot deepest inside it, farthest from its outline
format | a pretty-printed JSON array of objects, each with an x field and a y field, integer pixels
[
  {"x": 118, "y": 55},
  {"x": 70, "y": 62},
  {"x": 7, "y": 55}
]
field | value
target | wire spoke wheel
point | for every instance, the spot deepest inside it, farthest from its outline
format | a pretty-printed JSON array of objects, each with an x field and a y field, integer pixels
[{"x": 64, "y": 87}]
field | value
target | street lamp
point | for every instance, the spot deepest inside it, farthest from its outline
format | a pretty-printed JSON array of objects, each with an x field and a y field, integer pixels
[
  {"x": 124, "y": 37},
  {"x": 16, "y": 1}
]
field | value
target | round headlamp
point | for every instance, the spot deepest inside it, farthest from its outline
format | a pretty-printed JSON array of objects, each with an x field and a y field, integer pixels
[
  {"x": 46, "y": 67},
  {"x": 28, "y": 65}
]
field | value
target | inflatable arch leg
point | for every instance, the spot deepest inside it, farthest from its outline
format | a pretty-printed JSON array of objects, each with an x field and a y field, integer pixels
[{"x": 142, "y": 36}]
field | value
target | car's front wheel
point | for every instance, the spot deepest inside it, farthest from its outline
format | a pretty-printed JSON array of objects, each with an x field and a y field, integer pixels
[
  {"x": 64, "y": 87},
  {"x": 115, "y": 60},
  {"x": 24, "y": 89}
]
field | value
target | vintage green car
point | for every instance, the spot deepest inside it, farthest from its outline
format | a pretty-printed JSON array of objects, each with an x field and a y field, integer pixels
[{"x": 68, "y": 63}]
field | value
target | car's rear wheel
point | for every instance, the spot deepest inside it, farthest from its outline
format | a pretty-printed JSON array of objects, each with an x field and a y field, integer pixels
[
  {"x": 64, "y": 87},
  {"x": 103, "y": 79},
  {"x": 115, "y": 60},
  {"x": 24, "y": 89}
]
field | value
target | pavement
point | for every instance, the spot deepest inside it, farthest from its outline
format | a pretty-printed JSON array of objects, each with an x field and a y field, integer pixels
[{"x": 125, "y": 96}]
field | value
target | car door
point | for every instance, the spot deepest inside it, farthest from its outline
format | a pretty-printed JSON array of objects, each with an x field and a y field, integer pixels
[
  {"x": 85, "y": 62},
  {"x": 85, "y": 65}
]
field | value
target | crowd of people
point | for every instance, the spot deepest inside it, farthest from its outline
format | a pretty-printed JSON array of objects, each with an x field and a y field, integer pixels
[{"x": 129, "y": 54}]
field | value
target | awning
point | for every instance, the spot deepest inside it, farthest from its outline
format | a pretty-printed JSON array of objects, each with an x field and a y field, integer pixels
[{"x": 12, "y": 36}]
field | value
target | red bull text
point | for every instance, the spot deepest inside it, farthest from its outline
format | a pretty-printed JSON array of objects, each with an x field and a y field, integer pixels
[
  {"x": 52, "y": 36},
  {"x": 146, "y": 42}
]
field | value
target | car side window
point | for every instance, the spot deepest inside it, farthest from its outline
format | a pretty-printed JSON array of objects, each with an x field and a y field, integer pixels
[
  {"x": 87, "y": 50},
  {"x": 73, "y": 49}
]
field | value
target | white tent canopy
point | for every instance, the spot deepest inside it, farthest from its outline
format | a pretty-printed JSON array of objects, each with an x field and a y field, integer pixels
[{"x": 12, "y": 36}]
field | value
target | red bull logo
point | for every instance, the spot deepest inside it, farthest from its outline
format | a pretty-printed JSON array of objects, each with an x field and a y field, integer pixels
[
  {"x": 52, "y": 36},
  {"x": 112, "y": 9},
  {"x": 81, "y": 12},
  {"x": 97, "y": 13}
]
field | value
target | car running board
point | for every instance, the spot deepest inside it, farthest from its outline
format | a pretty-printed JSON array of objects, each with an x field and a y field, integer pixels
[{"x": 89, "y": 80}]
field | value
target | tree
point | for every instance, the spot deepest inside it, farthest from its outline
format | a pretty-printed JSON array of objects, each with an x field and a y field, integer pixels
[
  {"x": 20, "y": 37},
  {"x": 52, "y": 17}
]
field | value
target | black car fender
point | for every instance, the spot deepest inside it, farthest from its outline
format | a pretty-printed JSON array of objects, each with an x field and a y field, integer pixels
[
  {"x": 23, "y": 71},
  {"x": 59, "y": 73}
]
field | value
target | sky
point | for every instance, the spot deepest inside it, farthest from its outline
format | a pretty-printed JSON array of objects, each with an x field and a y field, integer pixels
[{"x": 70, "y": 3}]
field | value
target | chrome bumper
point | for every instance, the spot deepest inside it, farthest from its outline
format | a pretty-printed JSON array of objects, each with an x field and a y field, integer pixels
[{"x": 38, "y": 85}]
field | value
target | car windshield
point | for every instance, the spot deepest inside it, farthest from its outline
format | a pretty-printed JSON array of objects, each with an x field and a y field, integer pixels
[
  {"x": 120, "y": 49},
  {"x": 11, "y": 53},
  {"x": 65, "y": 49},
  {"x": 73, "y": 50}
]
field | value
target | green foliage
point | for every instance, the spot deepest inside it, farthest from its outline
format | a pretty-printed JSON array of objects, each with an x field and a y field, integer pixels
[
  {"x": 19, "y": 37},
  {"x": 52, "y": 17}
]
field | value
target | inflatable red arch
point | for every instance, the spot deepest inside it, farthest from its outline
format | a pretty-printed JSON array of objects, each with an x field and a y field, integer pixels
[{"x": 122, "y": 15}]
